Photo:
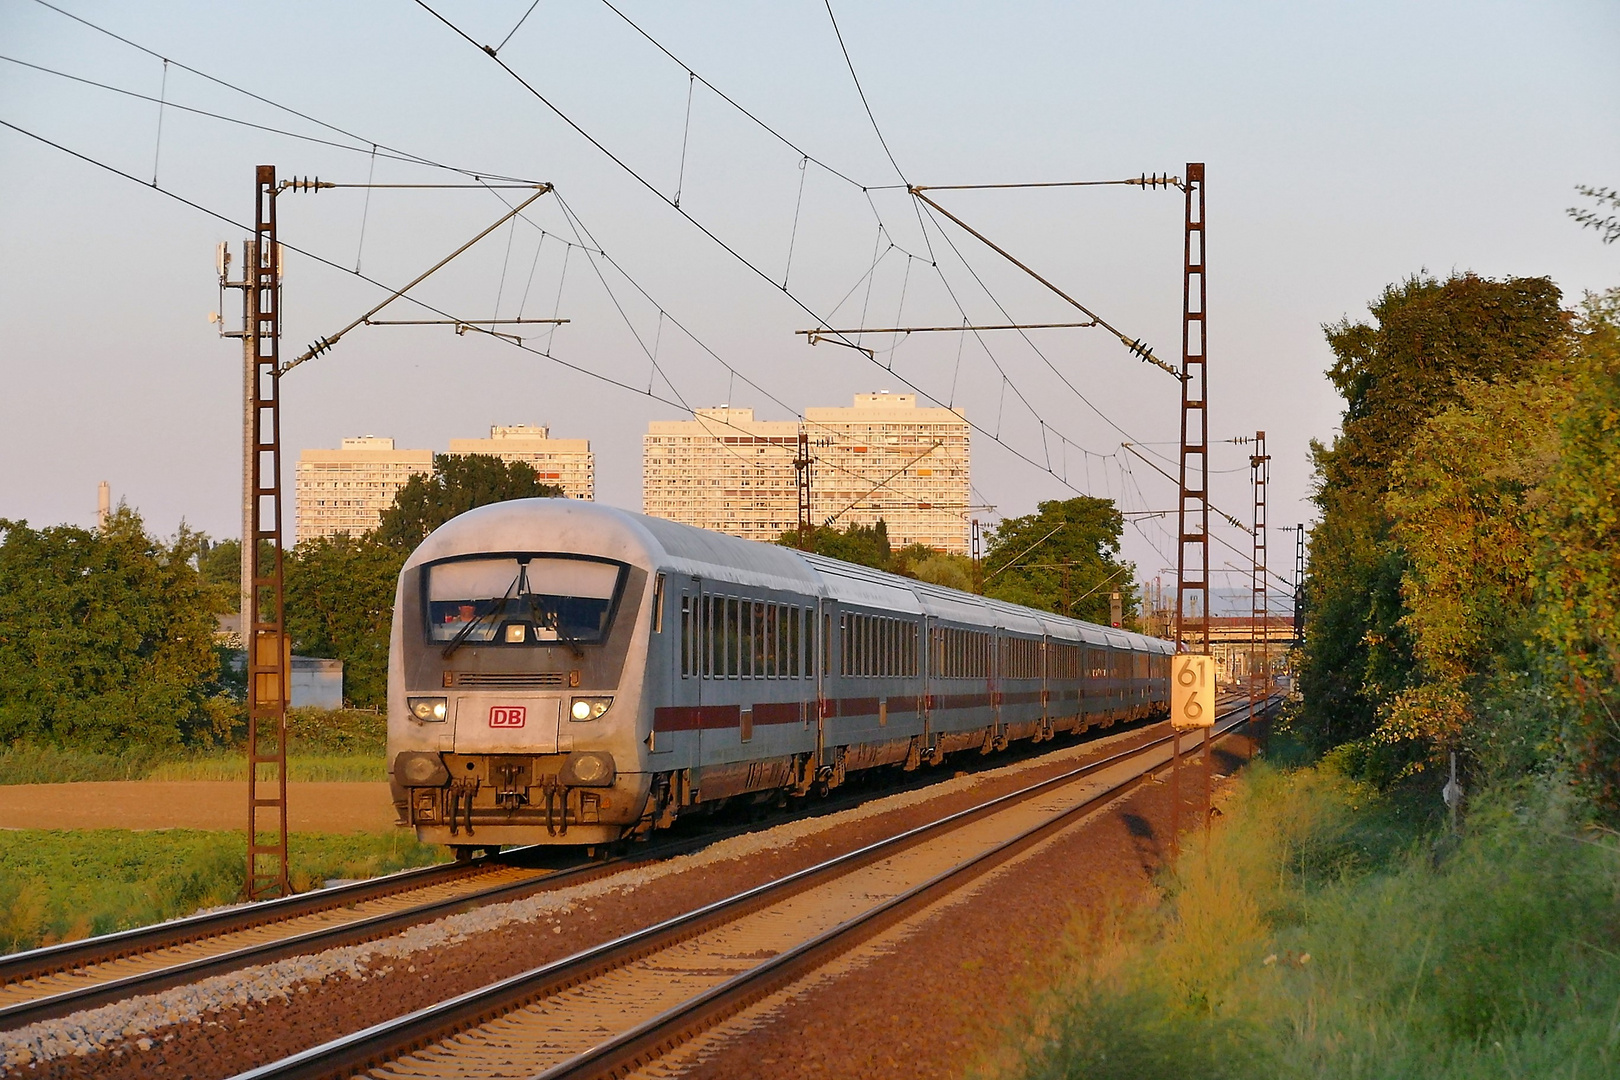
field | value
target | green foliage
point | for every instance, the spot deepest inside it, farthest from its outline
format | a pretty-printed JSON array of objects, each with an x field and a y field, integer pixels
[
  {"x": 221, "y": 566},
  {"x": 1322, "y": 934},
  {"x": 865, "y": 545},
  {"x": 458, "y": 483},
  {"x": 935, "y": 567},
  {"x": 322, "y": 745},
  {"x": 303, "y": 767},
  {"x": 1578, "y": 573},
  {"x": 336, "y": 731},
  {"x": 340, "y": 604},
  {"x": 36, "y": 763},
  {"x": 1608, "y": 227},
  {"x": 106, "y": 639},
  {"x": 1066, "y": 548},
  {"x": 1463, "y": 500},
  {"x": 1430, "y": 344},
  {"x": 59, "y": 885}
]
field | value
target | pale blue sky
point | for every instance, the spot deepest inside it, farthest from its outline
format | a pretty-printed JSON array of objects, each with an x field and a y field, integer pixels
[{"x": 1348, "y": 145}]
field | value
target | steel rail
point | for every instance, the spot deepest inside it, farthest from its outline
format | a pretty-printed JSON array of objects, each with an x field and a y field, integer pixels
[
  {"x": 104, "y": 948},
  {"x": 351, "y": 1054},
  {"x": 108, "y": 948},
  {"x": 360, "y": 930},
  {"x": 652, "y": 1039}
]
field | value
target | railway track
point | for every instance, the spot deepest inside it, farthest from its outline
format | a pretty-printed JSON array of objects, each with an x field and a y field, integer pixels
[
  {"x": 617, "y": 1006},
  {"x": 57, "y": 980},
  {"x": 46, "y": 983}
]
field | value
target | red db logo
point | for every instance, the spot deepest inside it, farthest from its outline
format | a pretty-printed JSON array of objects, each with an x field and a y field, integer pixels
[{"x": 507, "y": 716}]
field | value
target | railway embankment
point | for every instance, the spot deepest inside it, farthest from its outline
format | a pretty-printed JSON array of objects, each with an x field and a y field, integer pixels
[
  {"x": 936, "y": 992},
  {"x": 1330, "y": 929}
]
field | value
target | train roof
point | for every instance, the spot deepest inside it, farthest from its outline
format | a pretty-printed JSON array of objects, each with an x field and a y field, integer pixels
[{"x": 658, "y": 544}]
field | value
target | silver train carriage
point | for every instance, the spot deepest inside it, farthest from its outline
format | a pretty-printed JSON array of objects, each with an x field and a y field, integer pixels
[{"x": 562, "y": 672}]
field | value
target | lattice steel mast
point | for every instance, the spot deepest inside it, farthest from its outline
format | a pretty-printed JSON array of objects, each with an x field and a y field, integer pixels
[
  {"x": 1259, "y": 616},
  {"x": 1192, "y": 547}
]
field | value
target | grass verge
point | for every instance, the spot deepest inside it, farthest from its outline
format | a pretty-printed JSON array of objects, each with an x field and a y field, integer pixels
[
  {"x": 322, "y": 744},
  {"x": 56, "y": 885},
  {"x": 1328, "y": 931}
]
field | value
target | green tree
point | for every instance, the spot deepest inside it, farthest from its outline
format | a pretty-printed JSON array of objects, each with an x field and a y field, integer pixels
[
  {"x": 865, "y": 545},
  {"x": 221, "y": 565},
  {"x": 340, "y": 603},
  {"x": 1427, "y": 339},
  {"x": 936, "y": 567},
  {"x": 1066, "y": 549},
  {"x": 1578, "y": 567},
  {"x": 1463, "y": 502},
  {"x": 458, "y": 483},
  {"x": 106, "y": 639}
]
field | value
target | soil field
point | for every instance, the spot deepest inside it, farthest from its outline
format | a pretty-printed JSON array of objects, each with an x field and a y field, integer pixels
[{"x": 190, "y": 804}]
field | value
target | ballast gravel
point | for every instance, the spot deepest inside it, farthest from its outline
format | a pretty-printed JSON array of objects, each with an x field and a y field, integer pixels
[{"x": 231, "y": 1022}]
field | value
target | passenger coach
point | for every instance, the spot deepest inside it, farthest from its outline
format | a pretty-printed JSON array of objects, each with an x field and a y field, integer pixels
[{"x": 564, "y": 672}]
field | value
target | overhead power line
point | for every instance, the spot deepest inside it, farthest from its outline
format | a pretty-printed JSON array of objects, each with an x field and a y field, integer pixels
[
  {"x": 375, "y": 149},
  {"x": 709, "y": 233}
]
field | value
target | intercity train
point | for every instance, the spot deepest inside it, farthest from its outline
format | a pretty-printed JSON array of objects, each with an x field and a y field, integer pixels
[{"x": 562, "y": 672}]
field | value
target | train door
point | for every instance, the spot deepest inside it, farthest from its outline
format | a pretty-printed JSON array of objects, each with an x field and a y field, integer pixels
[
  {"x": 821, "y": 644},
  {"x": 675, "y": 716},
  {"x": 925, "y": 683},
  {"x": 993, "y": 683}
]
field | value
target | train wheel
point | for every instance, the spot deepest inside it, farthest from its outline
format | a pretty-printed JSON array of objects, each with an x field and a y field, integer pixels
[{"x": 462, "y": 852}]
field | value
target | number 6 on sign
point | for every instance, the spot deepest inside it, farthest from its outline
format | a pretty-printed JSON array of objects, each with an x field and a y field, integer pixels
[{"x": 1192, "y": 690}]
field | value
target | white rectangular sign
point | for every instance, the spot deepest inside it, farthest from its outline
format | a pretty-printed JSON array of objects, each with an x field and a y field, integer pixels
[{"x": 1192, "y": 690}]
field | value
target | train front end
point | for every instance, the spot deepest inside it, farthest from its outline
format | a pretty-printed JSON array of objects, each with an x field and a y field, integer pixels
[{"x": 516, "y": 678}]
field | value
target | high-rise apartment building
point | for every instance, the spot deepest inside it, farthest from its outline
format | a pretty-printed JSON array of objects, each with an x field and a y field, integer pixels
[
  {"x": 882, "y": 458},
  {"x": 567, "y": 463},
  {"x": 346, "y": 490}
]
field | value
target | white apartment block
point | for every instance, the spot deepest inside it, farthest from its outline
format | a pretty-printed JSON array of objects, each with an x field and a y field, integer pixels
[
  {"x": 883, "y": 458},
  {"x": 567, "y": 463},
  {"x": 347, "y": 490}
]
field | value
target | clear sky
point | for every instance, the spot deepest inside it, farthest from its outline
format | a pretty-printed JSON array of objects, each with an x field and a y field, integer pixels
[{"x": 1348, "y": 146}]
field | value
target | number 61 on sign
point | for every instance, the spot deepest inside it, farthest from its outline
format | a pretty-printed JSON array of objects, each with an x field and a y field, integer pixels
[{"x": 1192, "y": 690}]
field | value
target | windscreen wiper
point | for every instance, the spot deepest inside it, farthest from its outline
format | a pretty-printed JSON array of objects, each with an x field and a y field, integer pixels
[
  {"x": 461, "y": 635},
  {"x": 540, "y": 615}
]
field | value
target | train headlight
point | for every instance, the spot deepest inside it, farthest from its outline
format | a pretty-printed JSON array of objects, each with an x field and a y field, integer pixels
[
  {"x": 429, "y": 709},
  {"x": 589, "y": 708},
  {"x": 415, "y": 768},
  {"x": 589, "y": 768}
]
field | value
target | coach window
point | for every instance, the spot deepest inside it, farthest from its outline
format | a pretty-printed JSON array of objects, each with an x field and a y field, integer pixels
[
  {"x": 756, "y": 630},
  {"x": 784, "y": 666},
  {"x": 826, "y": 644},
  {"x": 686, "y": 636},
  {"x": 706, "y": 637},
  {"x": 773, "y": 634}
]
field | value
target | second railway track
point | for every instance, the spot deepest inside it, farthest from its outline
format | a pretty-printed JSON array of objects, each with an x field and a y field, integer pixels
[
  {"x": 58, "y": 980},
  {"x": 619, "y": 1005}
]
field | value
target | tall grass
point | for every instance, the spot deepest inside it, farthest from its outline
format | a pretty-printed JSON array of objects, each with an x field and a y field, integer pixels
[
  {"x": 301, "y": 768},
  {"x": 1325, "y": 933},
  {"x": 322, "y": 745},
  {"x": 56, "y": 885}
]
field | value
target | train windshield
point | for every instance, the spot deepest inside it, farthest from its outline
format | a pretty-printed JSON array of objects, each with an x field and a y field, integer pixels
[{"x": 521, "y": 600}]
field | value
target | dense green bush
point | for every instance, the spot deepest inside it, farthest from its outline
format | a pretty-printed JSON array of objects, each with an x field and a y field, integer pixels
[
  {"x": 107, "y": 640},
  {"x": 1330, "y": 931}
]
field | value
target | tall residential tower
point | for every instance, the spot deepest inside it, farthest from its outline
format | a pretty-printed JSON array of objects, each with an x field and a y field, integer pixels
[{"x": 882, "y": 458}]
